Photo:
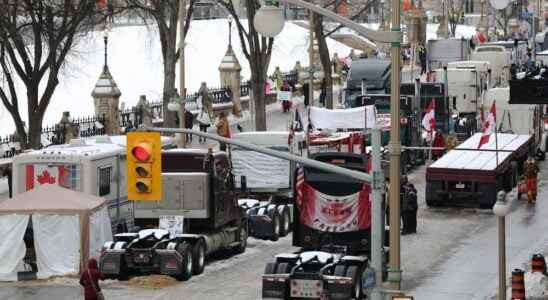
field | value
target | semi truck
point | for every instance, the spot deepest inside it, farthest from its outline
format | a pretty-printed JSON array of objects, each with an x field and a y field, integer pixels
[
  {"x": 198, "y": 188},
  {"x": 442, "y": 51},
  {"x": 265, "y": 183},
  {"x": 332, "y": 228},
  {"x": 470, "y": 177}
]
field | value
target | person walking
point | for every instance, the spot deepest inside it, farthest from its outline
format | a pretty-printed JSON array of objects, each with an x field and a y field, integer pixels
[
  {"x": 207, "y": 103},
  {"x": 189, "y": 122},
  {"x": 223, "y": 129},
  {"x": 411, "y": 207},
  {"x": 323, "y": 92},
  {"x": 306, "y": 94},
  {"x": 530, "y": 171},
  {"x": 286, "y": 105},
  {"x": 204, "y": 121},
  {"x": 90, "y": 281},
  {"x": 422, "y": 59}
]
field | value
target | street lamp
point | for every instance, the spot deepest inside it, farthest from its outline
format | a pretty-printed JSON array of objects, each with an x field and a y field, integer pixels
[
  {"x": 269, "y": 21},
  {"x": 500, "y": 209}
]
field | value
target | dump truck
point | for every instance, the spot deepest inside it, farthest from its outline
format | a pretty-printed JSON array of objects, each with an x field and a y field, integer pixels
[
  {"x": 199, "y": 195},
  {"x": 333, "y": 230}
]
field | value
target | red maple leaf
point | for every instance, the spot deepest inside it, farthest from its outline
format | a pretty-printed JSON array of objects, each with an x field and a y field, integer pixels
[{"x": 46, "y": 178}]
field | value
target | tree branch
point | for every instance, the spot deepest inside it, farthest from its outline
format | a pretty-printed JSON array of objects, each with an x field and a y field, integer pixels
[{"x": 354, "y": 17}]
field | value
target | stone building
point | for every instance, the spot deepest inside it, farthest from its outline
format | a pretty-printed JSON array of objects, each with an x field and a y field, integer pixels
[{"x": 106, "y": 97}]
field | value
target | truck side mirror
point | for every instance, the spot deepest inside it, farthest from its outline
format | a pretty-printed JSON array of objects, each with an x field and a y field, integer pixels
[{"x": 243, "y": 183}]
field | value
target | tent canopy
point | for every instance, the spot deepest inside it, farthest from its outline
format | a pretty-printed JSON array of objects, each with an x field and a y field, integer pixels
[{"x": 51, "y": 199}]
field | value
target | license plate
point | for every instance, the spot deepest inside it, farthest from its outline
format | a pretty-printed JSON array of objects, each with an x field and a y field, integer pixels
[
  {"x": 108, "y": 266},
  {"x": 171, "y": 265},
  {"x": 306, "y": 288},
  {"x": 460, "y": 185}
]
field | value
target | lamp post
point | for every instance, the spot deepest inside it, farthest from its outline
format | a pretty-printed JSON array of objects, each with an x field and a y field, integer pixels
[
  {"x": 500, "y": 209},
  {"x": 181, "y": 142},
  {"x": 269, "y": 22}
]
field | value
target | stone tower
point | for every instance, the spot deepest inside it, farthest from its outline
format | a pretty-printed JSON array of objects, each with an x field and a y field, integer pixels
[
  {"x": 106, "y": 96},
  {"x": 230, "y": 69}
]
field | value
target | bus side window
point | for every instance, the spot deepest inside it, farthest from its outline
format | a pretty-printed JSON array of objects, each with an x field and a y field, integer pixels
[{"x": 105, "y": 175}]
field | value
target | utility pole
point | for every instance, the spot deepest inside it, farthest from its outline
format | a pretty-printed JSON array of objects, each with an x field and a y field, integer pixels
[
  {"x": 311, "y": 58},
  {"x": 394, "y": 271},
  {"x": 182, "y": 18}
]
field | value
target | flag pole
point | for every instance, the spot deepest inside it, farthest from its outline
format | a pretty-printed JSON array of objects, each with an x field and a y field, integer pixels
[{"x": 496, "y": 138}]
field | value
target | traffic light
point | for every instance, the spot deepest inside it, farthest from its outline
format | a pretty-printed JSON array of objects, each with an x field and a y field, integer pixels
[{"x": 144, "y": 166}]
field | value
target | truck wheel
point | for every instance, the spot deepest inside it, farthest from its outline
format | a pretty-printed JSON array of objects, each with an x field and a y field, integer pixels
[
  {"x": 353, "y": 272},
  {"x": 243, "y": 240},
  {"x": 273, "y": 214},
  {"x": 270, "y": 268},
  {"x": 283, "y": 268},
  {"x": 198, "y": 257},
  {"x": 186, "y": 269},
  {"x": 285, "y": 220}
]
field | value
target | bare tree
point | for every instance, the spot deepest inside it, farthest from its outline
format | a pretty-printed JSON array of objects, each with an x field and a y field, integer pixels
[
  {"x": 455, "y": 12},
  {"x": 35, "y": 38},
  {"x": 321, "y": 34},
  {"x": 166, "y": 15},
  {"x": 502, "y": 18},
  {"x": 257, "y": 50}
]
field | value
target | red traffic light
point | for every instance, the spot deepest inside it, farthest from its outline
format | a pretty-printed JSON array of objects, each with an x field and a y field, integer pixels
[{"x": 142, "y": 152}]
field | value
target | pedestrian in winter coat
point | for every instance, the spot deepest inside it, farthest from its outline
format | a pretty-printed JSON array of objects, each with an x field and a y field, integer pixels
[
  {"x": 223, "y": 129},
  {"x": 422, "y": 59},
  {"x": 306, "y": 94},
  {"x": 90, "y": 281},
  {"x": 409, "y": 209},
  {"x": 189, "y": 122},
  {"x": 323, "y": 92},
  {"x": 530, "y": 171},
  {"x": 206, "y": 99},
  {"x": 285, "y": 103}
]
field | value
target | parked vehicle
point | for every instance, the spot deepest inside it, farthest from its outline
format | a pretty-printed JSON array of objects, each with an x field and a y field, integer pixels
[
  {"x": 374, "y": 73},
  {"x": 95, "y": 166},
  {"x": 334, "y": 237},
  {"x": 442, "y": 51},
  {"x": 198, "y": 185},
  {"x": 266, "y": 182},
  {"x": 467, "y": 176},
  {"x": 518, "y": 50},
  {"x": 500, "y": 60}
]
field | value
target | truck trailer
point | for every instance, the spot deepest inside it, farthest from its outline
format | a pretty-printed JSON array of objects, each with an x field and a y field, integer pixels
[
  {"x": 265, "y": 182},
  {"x": 198, "y": 187},
  {"x": 467, "y": 176},
  {"x": 333, "y": 230}
]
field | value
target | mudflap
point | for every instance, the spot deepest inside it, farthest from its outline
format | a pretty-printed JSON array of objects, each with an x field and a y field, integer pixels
[
  {"x": 275, "y": 286},
  {"x": 339, "y": 288},
  {"x": 171, "y": 262},
  {"x": 260, "y": 226},
  {"x": 110, "y": 263}
]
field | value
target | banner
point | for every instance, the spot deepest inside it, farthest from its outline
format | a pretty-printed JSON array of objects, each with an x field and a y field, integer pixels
[
  {"x": 343, "y": 118},
  {"x": 284, "y": 96},
  {"x": 173, "y": 224},
  {"x": 334, "y": 213}
]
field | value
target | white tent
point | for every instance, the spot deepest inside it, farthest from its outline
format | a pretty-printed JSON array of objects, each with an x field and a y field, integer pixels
[{"x": 69, "y": 227}]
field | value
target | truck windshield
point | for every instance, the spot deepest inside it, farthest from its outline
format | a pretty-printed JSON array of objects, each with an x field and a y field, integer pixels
[
  {"x": 333, "y": 184},
  {"x": 184, "y": 163}
]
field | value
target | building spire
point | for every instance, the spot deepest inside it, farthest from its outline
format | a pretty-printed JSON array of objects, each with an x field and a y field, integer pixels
[
  {"x": 229, "y": 31},
  {"x": 105, "y": 39}
]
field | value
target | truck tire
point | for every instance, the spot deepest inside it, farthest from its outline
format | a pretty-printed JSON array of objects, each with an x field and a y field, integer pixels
[
  {"x": 283, "y": 268},
  {"x": 185, "y": 250},
  {"x": 354, "y": 273},
  {"x": 272, "y": 212},
  {"x": 285, "y": 220},
  {"x": 270, "y": 268},
  {"x": 198, "y": 257},
  {"x": 243, "y": 240}
]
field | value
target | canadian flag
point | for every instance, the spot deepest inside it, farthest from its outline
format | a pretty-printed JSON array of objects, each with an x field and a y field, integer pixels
[
  {"x": 429, "y": 119},
  {"x": 489, "y": 125}
]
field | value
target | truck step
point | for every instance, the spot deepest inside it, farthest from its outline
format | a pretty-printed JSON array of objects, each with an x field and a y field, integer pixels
[{"x": 234, "y": 244}]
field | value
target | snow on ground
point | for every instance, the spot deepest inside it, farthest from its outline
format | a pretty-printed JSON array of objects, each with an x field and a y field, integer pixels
[{"x": 135, "y": 62}]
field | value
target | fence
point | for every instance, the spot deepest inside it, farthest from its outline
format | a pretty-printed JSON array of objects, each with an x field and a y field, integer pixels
[{"x": 129, "y": 118}]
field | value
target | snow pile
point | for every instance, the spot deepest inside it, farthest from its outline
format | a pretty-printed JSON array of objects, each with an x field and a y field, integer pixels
[
  {"x": 536, "y": 286},
  {"x": 152, "y": 281},
  {"x": 135, "y": 62}
]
